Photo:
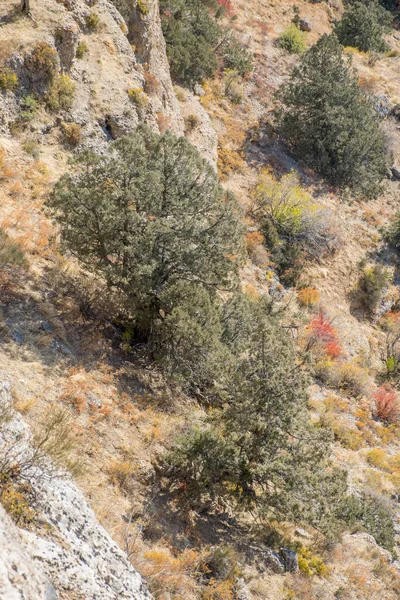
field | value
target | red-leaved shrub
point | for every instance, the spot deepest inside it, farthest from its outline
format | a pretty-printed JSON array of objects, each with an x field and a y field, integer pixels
[
  {"x": 323, "y": 334},
  {"x": 387, "y": 406}
]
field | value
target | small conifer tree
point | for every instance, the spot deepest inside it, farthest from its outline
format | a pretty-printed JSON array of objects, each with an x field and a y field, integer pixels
[{"x": 330, "y": 123}]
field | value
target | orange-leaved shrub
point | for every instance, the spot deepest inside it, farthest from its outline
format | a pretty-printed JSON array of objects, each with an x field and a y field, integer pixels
[{"x": 308, "y": 297}]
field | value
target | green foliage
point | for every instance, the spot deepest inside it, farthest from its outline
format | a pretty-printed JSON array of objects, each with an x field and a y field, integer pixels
[
  {"x": 29, "y": 106},
  {"x": 329, "y": 122},
  {"x": 371, "y": 514},
  {"x": 392, "y": 234},
  {"x": 295, "y": 227},
  {"x": 235, "y": 57},
  {"x": 195, "y": 42},
  {"x": 258, "y": 450},
  {"x": 143, "y": 7},
  {"x": 61, "y": 93},
  {"x": 146, "y": 216},
  {"x": 292, "y": 40},
  {"x": 8, "y": 79},
  {"x": 362, "y": 26},
  {"x": 81, "y": 50},
  {"x": 371, "y": 285}
]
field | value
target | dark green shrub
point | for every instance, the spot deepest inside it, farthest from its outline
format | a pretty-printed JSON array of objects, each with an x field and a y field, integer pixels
[
  {"x": 362, "y": 26},
  {"x": 258, "y": 450},
  {"x": 371, "y": 514},
  {"x": 330, "y": 123},
  {"x": 292, "y": 40},
  {"x": 392, "y": 234},
  {"x": 196, "y": 42}
]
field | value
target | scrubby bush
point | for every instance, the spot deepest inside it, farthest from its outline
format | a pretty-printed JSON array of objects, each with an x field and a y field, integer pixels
[
  {"x": 81, "y": 50},
  {"x": 143, "y": 7},
  {"x": 61, "y": 93},
  {"x": 295, "y": 227},
  {"x": 29, "y": 106},
  {"x": 371, "y": 514},
  {"x": 151, "y": 83},
  {"x": 330, "y": 123},
  {"x": 371, "y": 285},
  {"x": 392, "y": 234},
  {"x": 362, "y": 26},
  {"x": 93, "y": 21},
  {"x": 387, "y": 405},
  {"x": 191, "y": 122},
  {"x": 8, "y": 79},
  {"x": 72, "y": 133},
  {"x": 292, "y": 40},
  {"x": 42, "y": 62},
  {"x": 308, "y": 297},
  {"x": 138, "y": 98},
  {"x": 10, "y": 252}
]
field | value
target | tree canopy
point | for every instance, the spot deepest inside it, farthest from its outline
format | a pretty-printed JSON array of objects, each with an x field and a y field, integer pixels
[
  {"x": 148, "y": 215},
  {"x": 330, "y": 123}
]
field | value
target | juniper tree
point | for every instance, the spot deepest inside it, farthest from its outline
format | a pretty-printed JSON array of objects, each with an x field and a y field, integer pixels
[
  {"x": 329, "y": 122},
  {"x": 259, "y": 450},
  {"x": 363, "y": 26},
  {"x": 147, "y": 215}
]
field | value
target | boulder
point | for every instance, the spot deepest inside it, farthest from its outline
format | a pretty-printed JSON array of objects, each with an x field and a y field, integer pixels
[
  {"x": 66, "y": 41},
  {"x": 289, "y": 559},
  {"x": 305, "y": 25},
  {"x": 395, "y": 172}
]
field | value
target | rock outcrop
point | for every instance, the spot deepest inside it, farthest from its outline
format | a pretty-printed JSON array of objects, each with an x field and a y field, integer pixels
[{"x": 69, "y": 555}]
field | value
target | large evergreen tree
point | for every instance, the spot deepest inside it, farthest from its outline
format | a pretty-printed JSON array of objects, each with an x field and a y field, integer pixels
[
  {"x": 328, "y": 121},
  {"x": 146, "y": 216},
  {"x": 259, "y": 448},
  {"x": 363, "y": 27}
]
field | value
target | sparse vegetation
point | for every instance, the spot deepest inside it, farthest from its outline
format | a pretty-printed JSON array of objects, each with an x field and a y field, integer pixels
[
  {"x": 138, "y": 98},
  {"x": 93, "y": 21},
  {"x": 295, "y": 228},
  {"x": 43, "y": 62},
  {"x": 82, "y": 49},
  {"x": 371, "y": 285},
  {"x": 61, "y": 93},
  {"x": 72, "y": 133}
]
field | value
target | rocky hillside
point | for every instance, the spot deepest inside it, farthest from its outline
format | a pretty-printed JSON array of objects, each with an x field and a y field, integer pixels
[
  {"x": 68, "y": 550},
  {"x": 86, "y": 416}
]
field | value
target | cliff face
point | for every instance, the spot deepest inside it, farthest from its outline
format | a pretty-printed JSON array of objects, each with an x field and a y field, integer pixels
[
  {"x": 65, "y": 553},
  {"x": 119, "y": 55}
]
